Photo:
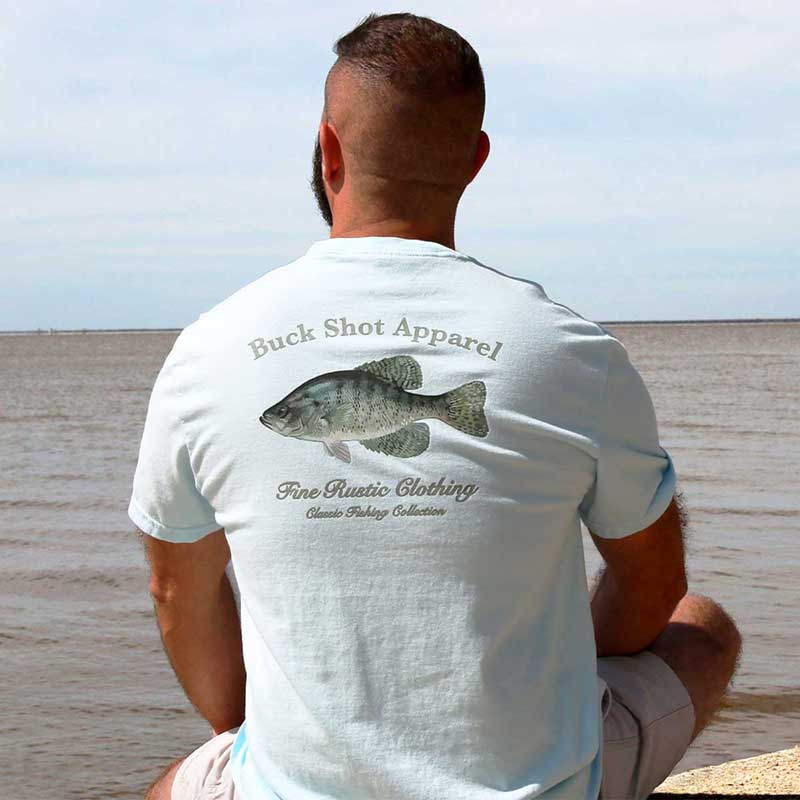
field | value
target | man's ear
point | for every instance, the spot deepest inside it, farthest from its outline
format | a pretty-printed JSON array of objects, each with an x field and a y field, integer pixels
[
  {"x": 481, "y": 154},
  {"x": 332, "y": 159}
]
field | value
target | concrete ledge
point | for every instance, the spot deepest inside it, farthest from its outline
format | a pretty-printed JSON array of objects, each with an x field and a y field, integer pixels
[{"x": 768, "y": 776}]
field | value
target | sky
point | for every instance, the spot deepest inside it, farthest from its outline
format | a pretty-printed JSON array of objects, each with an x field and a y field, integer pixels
[{"x": 155, "y": 157}]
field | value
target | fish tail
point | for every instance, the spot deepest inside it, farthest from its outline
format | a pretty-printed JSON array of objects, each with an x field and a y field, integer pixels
[{"x": 465, "y": 408}]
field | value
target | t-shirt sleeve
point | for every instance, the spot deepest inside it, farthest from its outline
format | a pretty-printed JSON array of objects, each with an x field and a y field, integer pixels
[
  {"x": 634, "y": 477},
  {"x": 165, "y": 502}
]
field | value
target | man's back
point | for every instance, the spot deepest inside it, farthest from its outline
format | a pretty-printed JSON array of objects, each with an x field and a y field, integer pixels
[{"x": 400, "y": 443}]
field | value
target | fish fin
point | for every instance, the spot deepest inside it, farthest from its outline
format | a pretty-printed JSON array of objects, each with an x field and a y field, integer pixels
[
  {"x": 346, "y": 413},
  {"x": 339, "y": 450},
  {"x": 465, "y": 408},
  {"x": 405, "y": 443},
  {"x": 402, "y": 371}
]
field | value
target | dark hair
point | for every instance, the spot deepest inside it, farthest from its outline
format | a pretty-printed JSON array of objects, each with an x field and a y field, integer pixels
[{"x": 415, "y": 55}]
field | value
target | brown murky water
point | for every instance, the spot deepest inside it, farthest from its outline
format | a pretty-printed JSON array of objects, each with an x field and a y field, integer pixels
[{"x": 91, "y": 709}]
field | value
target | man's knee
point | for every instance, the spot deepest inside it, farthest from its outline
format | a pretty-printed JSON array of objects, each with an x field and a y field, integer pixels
[
  {"x": 700, "y": 635},
  {"x": 161, "y": 787},
  {"x": 702, "y": 644},
  {"x": 721, "y": 637}
]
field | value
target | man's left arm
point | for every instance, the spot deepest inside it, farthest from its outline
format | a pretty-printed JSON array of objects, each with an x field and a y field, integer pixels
[
  {"x": 199, "y": 624},
  {"x": 187, "y": 550}
]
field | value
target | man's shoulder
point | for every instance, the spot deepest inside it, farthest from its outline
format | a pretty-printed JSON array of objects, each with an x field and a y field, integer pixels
[
  {"x": 252, "y": 294},
  {"x": 228, "y": 316},
  {"x": 534, "y": 301},
  {"x": 552, "y": 327}
]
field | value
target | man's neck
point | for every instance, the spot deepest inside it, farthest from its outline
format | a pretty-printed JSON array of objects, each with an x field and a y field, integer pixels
[{"x": 404, "y": 229}]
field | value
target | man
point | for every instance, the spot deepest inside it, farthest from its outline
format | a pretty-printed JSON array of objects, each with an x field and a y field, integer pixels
[{"x": 395, "y": 444}]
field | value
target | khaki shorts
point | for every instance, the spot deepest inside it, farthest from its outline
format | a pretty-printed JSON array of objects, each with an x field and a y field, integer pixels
[{"x": 648, "y": 720}]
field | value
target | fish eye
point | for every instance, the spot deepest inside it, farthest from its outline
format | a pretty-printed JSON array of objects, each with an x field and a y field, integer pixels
[{"x": 283, "y": 411}]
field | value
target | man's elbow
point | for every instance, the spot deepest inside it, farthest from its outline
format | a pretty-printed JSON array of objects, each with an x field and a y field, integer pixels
[
  {"x": 173, "y": 589},
  {"x": 672, "y": 590},
  {"x": 164, "y": 590},
  {"x": 658, "y": 591}
]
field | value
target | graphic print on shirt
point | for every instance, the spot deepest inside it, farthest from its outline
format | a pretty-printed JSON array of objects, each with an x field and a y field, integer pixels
[{"x": 372, "y": 405}]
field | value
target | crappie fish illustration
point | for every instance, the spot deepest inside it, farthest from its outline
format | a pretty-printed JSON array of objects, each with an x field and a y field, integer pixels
[{"x": 373, "y": 405}]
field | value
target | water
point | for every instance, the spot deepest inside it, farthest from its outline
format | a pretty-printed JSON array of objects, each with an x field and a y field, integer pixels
[{"x": 91, "y": 708}]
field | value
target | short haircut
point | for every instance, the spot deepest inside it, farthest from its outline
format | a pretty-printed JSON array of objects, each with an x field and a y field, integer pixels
[
  {"x": 414, "y": 54},
  {"x": 424, "y": 94}
]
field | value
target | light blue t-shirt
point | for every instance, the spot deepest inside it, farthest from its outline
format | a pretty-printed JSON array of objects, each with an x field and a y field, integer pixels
[{"x": 400, "y": 443}]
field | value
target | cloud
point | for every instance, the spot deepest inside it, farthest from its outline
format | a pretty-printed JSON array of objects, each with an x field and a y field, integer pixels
[
  {"x": 628, "y": 42},
  {"x": 657, "y": 142}
]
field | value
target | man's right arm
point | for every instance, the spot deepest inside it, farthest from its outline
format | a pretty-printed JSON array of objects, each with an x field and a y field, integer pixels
[{"x": 643, "y": 581}]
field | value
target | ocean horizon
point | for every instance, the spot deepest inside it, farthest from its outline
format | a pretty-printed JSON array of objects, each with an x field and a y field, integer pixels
[{"x": 721, "y": 321}]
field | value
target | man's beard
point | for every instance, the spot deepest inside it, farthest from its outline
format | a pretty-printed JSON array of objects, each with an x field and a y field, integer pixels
[{"x": 318, "y": 185}]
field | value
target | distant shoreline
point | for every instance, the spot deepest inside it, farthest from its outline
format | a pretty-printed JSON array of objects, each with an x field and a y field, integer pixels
[{"x": 758, "y": 320}]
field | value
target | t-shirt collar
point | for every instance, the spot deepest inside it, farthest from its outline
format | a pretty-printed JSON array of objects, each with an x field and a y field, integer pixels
[{"x": 381, "y": 246}]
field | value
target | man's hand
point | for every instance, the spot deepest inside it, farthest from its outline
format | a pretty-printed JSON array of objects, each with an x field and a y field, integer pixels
[
  {"x": 199, "y": 624},
  {"x": 643, "y": 582}
]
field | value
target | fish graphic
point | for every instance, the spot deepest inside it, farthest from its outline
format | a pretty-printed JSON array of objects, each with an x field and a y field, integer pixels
[{"x": 372, "y": 405}]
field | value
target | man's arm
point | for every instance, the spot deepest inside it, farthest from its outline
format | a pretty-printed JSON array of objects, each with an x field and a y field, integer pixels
[
  {"x": 199, "y": 624},
  {"x": 643, "y": 581}
]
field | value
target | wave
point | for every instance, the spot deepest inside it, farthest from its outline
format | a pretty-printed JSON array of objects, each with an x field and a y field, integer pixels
[
  {"x": 33, "y": 417},
  {"x": 785, "y": 702},
  {"x": 61, "y": 505},
  {"x": 83, "y": 577},
  {"x": 746, "y": 512}
]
